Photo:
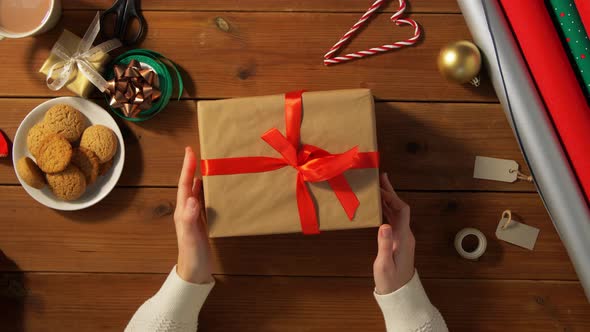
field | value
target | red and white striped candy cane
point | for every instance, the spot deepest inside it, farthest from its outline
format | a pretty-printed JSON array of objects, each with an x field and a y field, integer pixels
[{"x": 329, "y": 58}]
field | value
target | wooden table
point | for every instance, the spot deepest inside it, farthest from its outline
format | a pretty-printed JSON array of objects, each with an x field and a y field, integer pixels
[{"x": 90, "y": 270}]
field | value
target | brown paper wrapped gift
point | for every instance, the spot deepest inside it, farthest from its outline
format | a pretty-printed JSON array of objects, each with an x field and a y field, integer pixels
[{"x": 265, "y": 202}]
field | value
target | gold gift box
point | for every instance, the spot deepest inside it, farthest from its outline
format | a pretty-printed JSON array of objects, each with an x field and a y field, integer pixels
[
  {"x": 77, "y": 82},
  {"x": 266, "y": 203}
]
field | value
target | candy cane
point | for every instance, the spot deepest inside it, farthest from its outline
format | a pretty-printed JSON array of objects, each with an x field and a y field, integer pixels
[{"x": 395, "y": 18}]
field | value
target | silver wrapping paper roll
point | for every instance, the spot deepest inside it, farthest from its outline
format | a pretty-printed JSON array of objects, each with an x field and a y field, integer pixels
[{"x": 533, "y": 129}]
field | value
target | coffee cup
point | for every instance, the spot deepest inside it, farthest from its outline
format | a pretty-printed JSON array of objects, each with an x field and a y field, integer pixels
[{"x": 24, "y": 18}]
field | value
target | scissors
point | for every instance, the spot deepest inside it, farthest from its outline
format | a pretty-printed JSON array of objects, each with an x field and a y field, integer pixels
[{"x": 123, "y": 13}]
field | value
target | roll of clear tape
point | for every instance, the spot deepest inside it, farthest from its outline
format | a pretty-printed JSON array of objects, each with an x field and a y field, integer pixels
[{"x": 482, "y": 243}]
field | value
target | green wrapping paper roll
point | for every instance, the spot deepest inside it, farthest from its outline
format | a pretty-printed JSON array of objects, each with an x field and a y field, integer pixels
[
  {"x": 163, "y": 67},
  {"x": 574, "y": 37}
]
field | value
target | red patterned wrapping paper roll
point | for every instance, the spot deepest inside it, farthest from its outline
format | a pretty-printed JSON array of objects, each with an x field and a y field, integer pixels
[
  {"x": 555, "y": 78},
  {"x": 583, "y": 7}
]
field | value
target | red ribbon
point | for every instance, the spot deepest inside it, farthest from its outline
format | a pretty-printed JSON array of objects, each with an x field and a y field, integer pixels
[{"x": 312, "y": 164}]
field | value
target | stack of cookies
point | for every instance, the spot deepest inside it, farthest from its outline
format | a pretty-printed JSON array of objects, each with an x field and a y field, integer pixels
[{"x": 69, "y": 156}]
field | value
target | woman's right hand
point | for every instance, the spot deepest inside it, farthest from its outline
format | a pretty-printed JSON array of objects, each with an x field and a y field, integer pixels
[{"x": 394, "y": 265}]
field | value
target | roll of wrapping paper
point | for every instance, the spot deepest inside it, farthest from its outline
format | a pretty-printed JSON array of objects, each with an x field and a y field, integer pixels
[
  {"x": 574, "y": 37},
  {"x": 168, "y": 77},
  {"x": 555, "y": 78},
  {"x": 583, "y": 7},
  {"x": 533, "y": 129}
]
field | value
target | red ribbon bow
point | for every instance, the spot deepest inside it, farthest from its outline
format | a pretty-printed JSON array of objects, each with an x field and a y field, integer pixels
[{"x": 312, "y": 164}]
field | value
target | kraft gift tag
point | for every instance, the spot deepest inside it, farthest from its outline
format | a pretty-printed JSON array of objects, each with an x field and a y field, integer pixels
[
  {"x": 496, "y": 169},
  {"x": 515, "y": 232}
]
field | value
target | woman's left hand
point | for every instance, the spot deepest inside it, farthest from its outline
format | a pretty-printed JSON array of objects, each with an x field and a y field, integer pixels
[
  {"x": 394, "y": 265},
  {"x": 194, "y": 254}
]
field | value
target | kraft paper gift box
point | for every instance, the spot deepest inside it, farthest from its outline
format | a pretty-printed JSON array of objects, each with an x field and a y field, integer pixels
[
  {"x": 77, "y": 82},
  {"x": 266, "y": 202}
]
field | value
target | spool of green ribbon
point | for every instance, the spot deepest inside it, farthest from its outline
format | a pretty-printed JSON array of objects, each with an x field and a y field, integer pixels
[{"x": 168, "y": 79}]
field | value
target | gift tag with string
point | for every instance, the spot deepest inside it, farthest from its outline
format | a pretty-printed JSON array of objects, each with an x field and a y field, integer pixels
[
  {"x": 496, "y": 169},
  {"x": 516, "y": 233}
]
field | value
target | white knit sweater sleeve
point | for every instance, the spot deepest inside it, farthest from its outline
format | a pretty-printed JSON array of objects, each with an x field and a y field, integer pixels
[
  {"x": 408, "y": 309},
  {"x": 174, "y": 308}
]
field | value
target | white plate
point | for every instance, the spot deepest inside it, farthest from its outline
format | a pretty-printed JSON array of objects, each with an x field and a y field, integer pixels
[{"x": 103, "y": 185}]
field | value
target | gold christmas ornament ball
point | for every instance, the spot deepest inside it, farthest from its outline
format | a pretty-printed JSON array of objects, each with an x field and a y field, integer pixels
[{"x": 460, "y": 61}]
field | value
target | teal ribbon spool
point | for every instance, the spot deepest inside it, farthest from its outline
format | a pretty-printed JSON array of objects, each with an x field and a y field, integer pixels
[{"x": 163, "y": 67}]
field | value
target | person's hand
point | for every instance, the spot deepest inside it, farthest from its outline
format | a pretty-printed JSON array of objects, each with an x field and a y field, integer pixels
[
  {"x": 194, "y": 257},
  {"x": 394, "y": 265}
]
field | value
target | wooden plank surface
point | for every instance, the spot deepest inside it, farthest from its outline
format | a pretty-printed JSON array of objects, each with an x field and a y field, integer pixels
[
  {"x": 106, "y": 302},
  {"x": 132, "y": 231},
  {"x": 251, "y": 57},
  {"x": 420, "y": 151},
  {"x": 440, "y": 6}
]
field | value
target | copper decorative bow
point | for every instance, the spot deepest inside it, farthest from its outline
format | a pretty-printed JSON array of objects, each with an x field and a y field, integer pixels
[{"x": 133, "y": 89}]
